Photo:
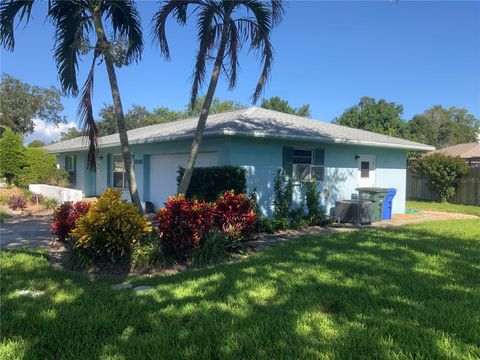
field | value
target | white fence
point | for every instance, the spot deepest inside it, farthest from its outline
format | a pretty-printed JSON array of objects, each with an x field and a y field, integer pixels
[{"x": 56, "y": 192}]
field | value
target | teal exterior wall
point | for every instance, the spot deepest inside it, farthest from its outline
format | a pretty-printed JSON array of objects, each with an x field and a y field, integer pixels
[{"x": 261, "y": 158}]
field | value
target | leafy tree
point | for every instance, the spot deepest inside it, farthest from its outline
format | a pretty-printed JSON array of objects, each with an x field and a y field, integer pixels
[
  {"x": 71, "y": 133},
  {"x": 278, "y": 104},
  {"x": 218, "y": 106},
  {"x": 444, "y": 127},
  {"x": 378, "y": 116},
  {"x": 79, "y": 29},
  {"x": 223, "y": 28},
  {"x": 12, "y": 155},
  {"x": 442, "y": 172},
  {"x": 20, "y": 103},
  {"x": 36, "y": 144},
  {"x": 39, "y": 167}
]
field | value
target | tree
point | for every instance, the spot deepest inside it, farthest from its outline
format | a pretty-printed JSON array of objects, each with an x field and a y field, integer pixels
[
  {"x": 39, "y": 167},
  {"x": 11, "y": 155},
  {"x": 277, "y": 104},
  {"x": 36, "y": 144},
  {"x": 20, "y": 103},
  {"x": 378, "y": 116},
  {"x": 79, "y": 29},
  {"x": 441, "y": 127},
  {"x": 218, "y": 106},
  {"x": 71, "y": 133},
  {"x": 223, "y": 27},
  {"x": 442, "y": 172}
]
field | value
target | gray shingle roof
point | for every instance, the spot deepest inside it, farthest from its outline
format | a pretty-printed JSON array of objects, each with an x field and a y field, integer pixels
[{"x": 256, "y": 122}]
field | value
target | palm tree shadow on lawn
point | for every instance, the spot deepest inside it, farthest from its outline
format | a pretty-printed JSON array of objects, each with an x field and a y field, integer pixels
[{"x": 370, "y": 294}]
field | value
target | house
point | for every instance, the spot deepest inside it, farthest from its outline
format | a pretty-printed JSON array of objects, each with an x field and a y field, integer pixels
[
  {"x": 262, "y": 141},
  {"x": 470, "y": 152}
]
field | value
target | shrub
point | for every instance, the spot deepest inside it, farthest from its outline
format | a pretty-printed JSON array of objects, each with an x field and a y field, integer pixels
[
  {"x": 36, "y": 198},
  {"x": 41, "y": 168},
  {"x": 210, "y": 182},
  {"x": 149, "y": 254},
  {"x": 235, "y": 216},
  {"x": 110, "y": 229},
  {"x": 3, "y": 199},
  {"x": 315, "y": 215},
  {"x": 271, "y": 225},
  {"x": 17, "y": 202},
  {"x": 283, "y": 190},
  {"x": 12, "y": 155},
  {"x": 442, "y": 172},
  {"x": 64, "y": 219},
  {"x": 212, "y": 249},
  {"x": 49, "y": 203},
  {"x": 182, "y": 223}
]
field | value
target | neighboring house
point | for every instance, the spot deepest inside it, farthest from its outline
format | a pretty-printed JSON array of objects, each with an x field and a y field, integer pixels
[
  {"x": 470, "y": 152},
  {"x": 262, "y": 141}
]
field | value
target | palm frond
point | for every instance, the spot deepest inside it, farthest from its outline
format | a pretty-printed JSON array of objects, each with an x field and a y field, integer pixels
[
  {"x": 8, "y": 12},
  {"x": 70, "y": 23},
  {"x": 278, "y": 10},
  {"x": 178, "y": 9},
  {"x": 85, "y": 114},
  {"x": 208, "y": 32},
  {"x": 235, "y": 41},
  {"x": 125, "y": 20}
]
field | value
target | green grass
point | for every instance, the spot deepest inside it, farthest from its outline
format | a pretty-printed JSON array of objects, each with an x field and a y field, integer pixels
[
  {"x": 435, "y": 206},
  {"x": 401, "y": 293}
]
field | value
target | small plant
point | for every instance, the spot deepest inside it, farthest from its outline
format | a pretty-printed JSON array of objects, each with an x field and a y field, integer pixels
[
  {"x": 442, "y": 172},
  {"x": 36, "y": 199},
  {"x": 149, "y": 254},
  {"x": 110, "y": 229},
  {"x": 315, "y": 215},
  {"x": 212, "y": 249},
  {"x": 3, "y": 199},
  {"x": 64, "y": 219},
  {"x": 50, "y": 203},
  {"x": 271, "y": 225},
  {"x": 283, "y": 190},
  {"x": 17, "y": 202}
]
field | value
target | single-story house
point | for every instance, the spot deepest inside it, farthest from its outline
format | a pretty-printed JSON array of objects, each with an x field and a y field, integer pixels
[
  {"x": 470, "y": 152},
  {"x": 261, "y": 141}
]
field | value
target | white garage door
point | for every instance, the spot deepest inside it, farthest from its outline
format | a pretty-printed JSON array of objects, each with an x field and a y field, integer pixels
[{"x": 164, "y": 171}]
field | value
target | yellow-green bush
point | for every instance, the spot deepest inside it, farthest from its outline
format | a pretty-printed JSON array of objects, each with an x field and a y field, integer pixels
[{"x": 110, "y": 229}]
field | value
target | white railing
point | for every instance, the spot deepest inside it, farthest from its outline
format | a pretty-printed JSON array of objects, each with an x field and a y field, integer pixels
[{"x": 55, "y": 192}]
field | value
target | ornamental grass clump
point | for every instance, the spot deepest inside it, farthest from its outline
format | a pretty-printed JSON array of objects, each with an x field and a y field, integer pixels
[{"x": 110, "y": 229}]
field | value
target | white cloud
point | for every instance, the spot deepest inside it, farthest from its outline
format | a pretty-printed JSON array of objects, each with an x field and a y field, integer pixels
[{"x": 47, "y": 132}]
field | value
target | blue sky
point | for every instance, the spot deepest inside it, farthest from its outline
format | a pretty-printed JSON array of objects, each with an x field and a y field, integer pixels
[{"x": 327, "y": 54}]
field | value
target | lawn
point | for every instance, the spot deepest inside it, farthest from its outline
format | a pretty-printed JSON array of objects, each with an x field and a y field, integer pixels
[
  {"x": 435, "y": 206},
  {"x": 398, "y": 293}
]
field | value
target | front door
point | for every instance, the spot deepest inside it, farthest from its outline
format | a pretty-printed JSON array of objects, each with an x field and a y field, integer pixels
[{"x": 366, "y": 171}]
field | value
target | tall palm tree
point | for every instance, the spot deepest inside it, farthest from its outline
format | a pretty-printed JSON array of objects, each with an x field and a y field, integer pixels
[
  {"x": 79, "y": 29},
  {"x": 223, "y": 27}
]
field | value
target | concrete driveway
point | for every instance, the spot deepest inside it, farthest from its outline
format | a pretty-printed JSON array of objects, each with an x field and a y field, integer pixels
[{"x": 30, "y": 231}]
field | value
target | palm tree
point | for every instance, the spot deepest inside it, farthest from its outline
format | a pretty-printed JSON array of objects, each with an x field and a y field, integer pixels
[
  {"x": 78, "y": 25},
  {"x": 224, "y": 27}
]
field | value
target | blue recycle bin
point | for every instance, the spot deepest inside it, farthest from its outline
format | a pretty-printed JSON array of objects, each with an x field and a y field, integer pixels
[{"x": 387, "y": 204}]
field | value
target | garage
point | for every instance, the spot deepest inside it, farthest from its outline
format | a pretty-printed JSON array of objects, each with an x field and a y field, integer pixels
[{"x": 164, "y": 170}]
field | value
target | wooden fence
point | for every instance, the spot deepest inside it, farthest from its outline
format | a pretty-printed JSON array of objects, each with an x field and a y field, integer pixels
[{"x": 467, "y": 192}]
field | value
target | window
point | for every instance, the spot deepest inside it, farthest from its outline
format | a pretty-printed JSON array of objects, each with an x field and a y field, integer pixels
[
  {"x": 304, "y": 168},
  {"x": 70, "y": 167},
  {"x": 119, "y": 177},
  {"x": 365, "y": 169}
]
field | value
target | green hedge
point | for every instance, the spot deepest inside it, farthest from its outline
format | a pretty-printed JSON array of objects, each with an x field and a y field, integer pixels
[{"x": 209, "y": 182}]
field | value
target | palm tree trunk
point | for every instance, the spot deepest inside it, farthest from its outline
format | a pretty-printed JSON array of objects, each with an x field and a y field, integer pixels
[
  {"x": 117, "y": 104},
  {"x": 202, "y": 120}
]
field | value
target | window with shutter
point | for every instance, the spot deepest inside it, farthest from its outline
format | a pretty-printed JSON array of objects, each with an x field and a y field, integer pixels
[{"x": 308, "y": 164}]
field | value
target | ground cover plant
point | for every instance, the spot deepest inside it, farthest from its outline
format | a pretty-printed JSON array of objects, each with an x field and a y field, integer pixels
[
  {"x": 398, "y": 293},
  {"x": 447, "y": 207}
]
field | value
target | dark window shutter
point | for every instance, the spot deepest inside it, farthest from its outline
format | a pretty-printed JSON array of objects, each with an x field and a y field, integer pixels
[
  {"x": 109, "y": 170},
  {"x": 288, "y": 161},
  {"x": 319, "y": 157}
]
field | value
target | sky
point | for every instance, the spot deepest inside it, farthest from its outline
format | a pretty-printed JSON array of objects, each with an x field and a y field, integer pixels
[{"x": 327, "y": 54}]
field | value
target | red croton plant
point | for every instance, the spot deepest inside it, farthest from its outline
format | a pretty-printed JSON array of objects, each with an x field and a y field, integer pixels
[
  {"x": 64, "y": 219},
  {"x": 183, "y": 222}
]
